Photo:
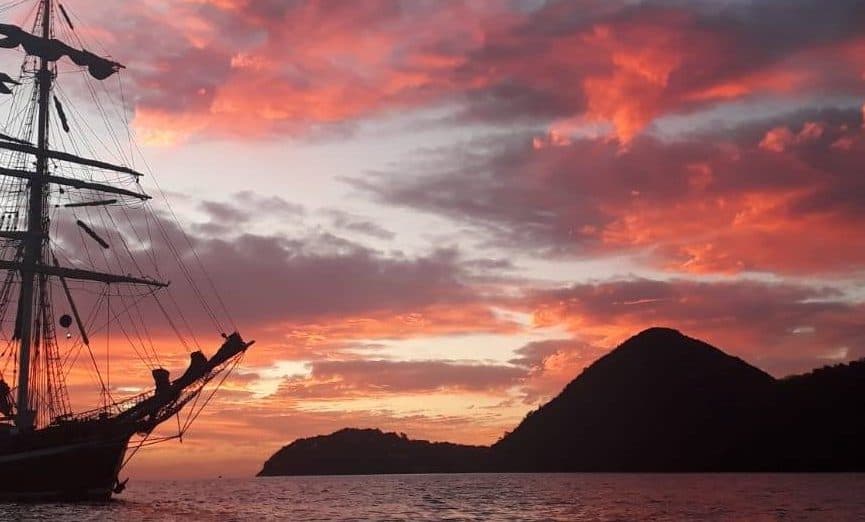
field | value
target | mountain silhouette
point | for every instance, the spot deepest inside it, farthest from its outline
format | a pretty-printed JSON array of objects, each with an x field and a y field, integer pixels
[
  {"x": 814, "y": 422},
  {"x": 371, "y": 451},
  {"x": 661, "y": 401}
]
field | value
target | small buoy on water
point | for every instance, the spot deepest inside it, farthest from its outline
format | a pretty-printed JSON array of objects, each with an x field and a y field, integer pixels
[{"x": 65, "y": 321}]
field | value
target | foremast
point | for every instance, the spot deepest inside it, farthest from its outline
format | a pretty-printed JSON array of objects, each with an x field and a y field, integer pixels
[{"x": 37, "y": 233}]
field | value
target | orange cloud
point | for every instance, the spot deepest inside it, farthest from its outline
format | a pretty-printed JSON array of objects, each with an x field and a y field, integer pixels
[
  {"x": 643, "y": 56},
  {"x": 317, "y": 64},
  {"x": 749, "y": 231}
]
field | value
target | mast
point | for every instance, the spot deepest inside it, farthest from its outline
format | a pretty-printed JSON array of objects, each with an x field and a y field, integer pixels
[{"x": 36, "y": 234}]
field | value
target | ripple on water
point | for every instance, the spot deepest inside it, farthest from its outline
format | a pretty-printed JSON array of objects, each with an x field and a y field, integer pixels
[{"x": 476, "y": 497}]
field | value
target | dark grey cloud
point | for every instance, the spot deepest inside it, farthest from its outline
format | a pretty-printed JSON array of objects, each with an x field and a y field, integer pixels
[
  {"x": 384, "y": 376},
  {"x": 532, "y": 355},
  {"x": 357, "y": 224},
  {"x": 314, "y": 277}
]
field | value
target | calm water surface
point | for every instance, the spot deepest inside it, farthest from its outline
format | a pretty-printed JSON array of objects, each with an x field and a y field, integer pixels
[{"x": 478, "y": 497}]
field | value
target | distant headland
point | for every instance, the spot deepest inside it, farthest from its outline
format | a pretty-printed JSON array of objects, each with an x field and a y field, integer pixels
[{"x": 661, "y": 402}]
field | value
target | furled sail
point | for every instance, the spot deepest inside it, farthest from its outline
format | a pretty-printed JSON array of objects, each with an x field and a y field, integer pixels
[
  {"x": 52, "y": 50},
  {"x": 61, "y": 113}
]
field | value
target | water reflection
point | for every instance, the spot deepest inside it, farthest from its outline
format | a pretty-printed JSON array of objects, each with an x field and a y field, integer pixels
[{"x": 478, "y": 497}]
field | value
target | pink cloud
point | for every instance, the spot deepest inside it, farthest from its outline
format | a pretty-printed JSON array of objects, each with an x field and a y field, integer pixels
[{"x": 247, "y": 69}]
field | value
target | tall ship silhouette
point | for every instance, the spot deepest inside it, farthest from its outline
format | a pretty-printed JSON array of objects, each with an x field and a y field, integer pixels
[{"x": 86, "y": 263}]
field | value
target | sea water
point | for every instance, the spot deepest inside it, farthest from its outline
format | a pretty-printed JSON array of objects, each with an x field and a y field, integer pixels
[{"x": 823, "y": 497}]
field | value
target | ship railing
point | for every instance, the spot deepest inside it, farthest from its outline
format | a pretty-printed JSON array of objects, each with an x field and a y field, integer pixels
[{"x": 108, "y": 410}]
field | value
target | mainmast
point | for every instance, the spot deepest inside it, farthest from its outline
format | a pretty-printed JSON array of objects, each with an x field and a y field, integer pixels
[{"x": 36, "y": 233}]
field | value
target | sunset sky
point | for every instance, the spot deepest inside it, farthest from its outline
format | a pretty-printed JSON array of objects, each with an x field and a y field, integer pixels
[{"x": 431, "y": 215}]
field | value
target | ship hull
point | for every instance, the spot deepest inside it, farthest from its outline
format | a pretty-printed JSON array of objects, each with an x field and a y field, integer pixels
[{"x": 78, "y": 470}]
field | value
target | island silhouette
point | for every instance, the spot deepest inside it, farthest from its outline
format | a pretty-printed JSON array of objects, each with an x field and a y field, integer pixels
[{"x": 660, "y": 402}]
